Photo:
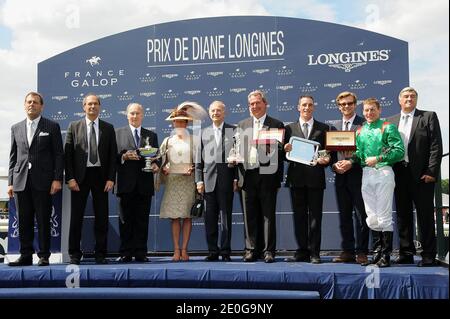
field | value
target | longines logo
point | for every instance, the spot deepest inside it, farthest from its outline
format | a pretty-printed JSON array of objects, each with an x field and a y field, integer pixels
[
  {"x": 332, "y": 85},
  {"x": 238, "y": 90},
  {"x": 60, "y": 97},
  {"x": 104, "y": 96},
  {"x": 357, "y": 85},
  {"x": 308, "y": 88},
  {"x": 331, "y": 105},
  {"x": 214, "y": 73},
  {"x": 238, "y": 74},
  {"x": 284, "y": 87},
  {"x": 215, "y": 92},
  {"x": 169, "y": 94},
  {"x": 192, "y": 76},
  {"x": 285, "y": 107},
  {"x": 284, "y": 71},
  {"x": 382, "y": 82},
  {"x": 192, "y": 92},
  {"x": 59, "y": 116},
  {"x": 125, "y": 97},
  {"x": 104, "y": 114},
  {"x": 384, "y": 102},
  {"x": 147, "y": 78},
  {"x": 238, "y": 109},
  {"x": 348, "y": 60},
  {"x": 151, "y": 128},
  {"x": 261, "y": 71},
  {"x": 147, "y": 94},
  {"x": 331, "y": 122},
  {"x": 169, "y": 75},
  {"x": 79, "y": 114}
]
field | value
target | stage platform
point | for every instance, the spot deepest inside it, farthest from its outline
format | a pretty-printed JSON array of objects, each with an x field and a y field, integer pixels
[{"x": 197, "y": 279}]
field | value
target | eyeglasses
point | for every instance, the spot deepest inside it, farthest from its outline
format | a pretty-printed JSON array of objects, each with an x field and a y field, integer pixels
[{"x": 345, "y": 104}]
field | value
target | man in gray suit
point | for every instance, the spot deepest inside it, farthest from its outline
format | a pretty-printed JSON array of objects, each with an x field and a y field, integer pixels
[
  {"x": 260, "y": 177},
  {"x": 218, "y": 181},
  {"x": 134, "y": 187},
  {"x": 35, "y": 173}
]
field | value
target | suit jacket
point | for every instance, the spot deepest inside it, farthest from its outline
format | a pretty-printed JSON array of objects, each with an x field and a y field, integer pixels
[
  {"x": 130, "y": 174},
  {"x": 275, "y": 160},
  {"x": 298, "y": 174},
  {"x": 354, "y": 174},
  {"x": 212, "y": 164},
  {"x": 45, "y": 154},
  {"x": 76, "y": 150},
  {"x": 425, "y": 144}
]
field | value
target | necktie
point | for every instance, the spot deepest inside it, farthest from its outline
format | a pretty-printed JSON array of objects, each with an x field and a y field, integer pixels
[
  {"x": 93, "y": 157},
  {"x": 137, "y": 139},
  {"x": 305, "y": 130},
  {"x": 31, "y": 131},
  {"x": 347, "y": 125},
  {"x": 217, "y": 135},
  {"x": 258, "y": 125}
]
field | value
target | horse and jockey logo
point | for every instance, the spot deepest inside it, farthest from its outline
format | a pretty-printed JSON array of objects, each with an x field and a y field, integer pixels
[{"x": 94, "y": 60}]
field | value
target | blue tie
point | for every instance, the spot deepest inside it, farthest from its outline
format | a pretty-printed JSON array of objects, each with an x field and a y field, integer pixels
[{"x": 137, "y": 140}]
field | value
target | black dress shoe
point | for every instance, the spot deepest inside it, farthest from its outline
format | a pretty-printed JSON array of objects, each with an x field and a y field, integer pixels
[
  {"x": 427, "y": 262},
  {"x": 315, "y": 260},
  {"x": 43, "y": 261},
  {"x": 226, "y": 258},
  {"x": 269, "y": 258},
  {"x": 404, "y": 260},
  {"x": 74, "y": 261},
  {"x": 141, "y": 259},
  {"x": 212, "y": 257},
  {"x": 101, "y": 260},
  {"x": 249, "y": 257},
  {"x": 124, "y": 259},
  {"x": 22, "y": 261}
]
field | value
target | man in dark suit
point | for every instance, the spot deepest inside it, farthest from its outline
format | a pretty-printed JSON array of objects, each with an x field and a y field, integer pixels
[
  {"x": 90, "y": 156},
  {"x": 260, "y": 177},
  {"x": 134, "y": 187},
  {"x": 307, "y": 184},
  {"x": 217, "y": 180},
  {"x": 415, "y": 177},
  {"x": 348, "y": 189},
  {"x": 36, "y": 165}
]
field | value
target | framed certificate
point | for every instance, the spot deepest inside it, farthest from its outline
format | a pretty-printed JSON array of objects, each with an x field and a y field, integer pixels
[
  {"x": 303, "y": 151},
  {"x": 340, "y": 141},
  {"x": 270, "y": 136}
]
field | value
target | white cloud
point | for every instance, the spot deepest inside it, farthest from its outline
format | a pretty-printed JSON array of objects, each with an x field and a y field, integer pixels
[{"x": 42, "y": 29}]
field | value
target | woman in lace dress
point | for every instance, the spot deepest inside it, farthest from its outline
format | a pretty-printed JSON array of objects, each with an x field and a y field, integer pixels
[{"x": 179, "y": 193}]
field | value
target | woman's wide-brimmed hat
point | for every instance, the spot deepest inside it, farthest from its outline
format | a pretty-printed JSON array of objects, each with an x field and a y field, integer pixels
[
  {"x": 188, "y": 111},
  {"x": 179, "y": 115}
]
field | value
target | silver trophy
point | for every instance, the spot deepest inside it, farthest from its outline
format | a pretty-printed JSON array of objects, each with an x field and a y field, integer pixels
[
  {"x": 150, "y": 154},
  {"x": 235, "y": 156}
]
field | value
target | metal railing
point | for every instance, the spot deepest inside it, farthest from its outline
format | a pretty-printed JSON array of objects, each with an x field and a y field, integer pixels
[{"x": 442, "y": 240}]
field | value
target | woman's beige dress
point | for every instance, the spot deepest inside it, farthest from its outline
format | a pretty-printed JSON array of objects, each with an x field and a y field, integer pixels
[{"x": 179, "y": 191}]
